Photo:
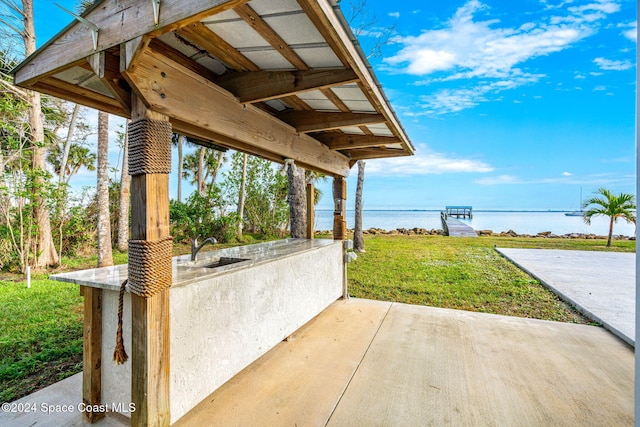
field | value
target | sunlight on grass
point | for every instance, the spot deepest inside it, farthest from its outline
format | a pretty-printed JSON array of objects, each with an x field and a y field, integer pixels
[
  {"x": 40, "y": 335},
  {"x": 459, "y": 273}
]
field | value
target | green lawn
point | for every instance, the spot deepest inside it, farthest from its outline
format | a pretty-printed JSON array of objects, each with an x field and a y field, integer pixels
[
  {"x": 461, "y": 273},
  {"x": 40, "y": 335},
  {"x": 41, "y": 327}
]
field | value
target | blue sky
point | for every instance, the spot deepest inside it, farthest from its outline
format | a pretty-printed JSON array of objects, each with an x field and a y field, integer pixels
[{"x": 510, "y": 104}]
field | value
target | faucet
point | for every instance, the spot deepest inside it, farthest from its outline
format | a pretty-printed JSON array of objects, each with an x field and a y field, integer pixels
[{"x": 195, "y": 248}]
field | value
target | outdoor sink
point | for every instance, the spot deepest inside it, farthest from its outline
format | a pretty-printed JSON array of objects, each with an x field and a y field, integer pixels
[{"x": 212, "y": 263}]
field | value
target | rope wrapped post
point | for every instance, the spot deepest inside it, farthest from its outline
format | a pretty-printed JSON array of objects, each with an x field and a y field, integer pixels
[
  {"x": 340, "y": 208},
  {"x": 149, "y": 264}
]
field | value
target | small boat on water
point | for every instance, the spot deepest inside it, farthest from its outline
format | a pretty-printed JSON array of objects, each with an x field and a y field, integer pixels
[{"x": 577, "y": 213}]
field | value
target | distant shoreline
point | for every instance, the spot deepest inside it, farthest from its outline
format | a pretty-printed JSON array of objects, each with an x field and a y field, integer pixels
[
  {"x": 526, "y": 222},
  {"x": 418, "y": 231},
  {"x": 475, "y": 210}
]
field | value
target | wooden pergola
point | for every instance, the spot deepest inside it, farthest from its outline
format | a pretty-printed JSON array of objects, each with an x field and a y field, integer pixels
[{"x": 281, "y": 79}]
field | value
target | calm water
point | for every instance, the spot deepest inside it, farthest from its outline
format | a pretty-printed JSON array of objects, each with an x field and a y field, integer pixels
[{"x": 520, "y": 222}]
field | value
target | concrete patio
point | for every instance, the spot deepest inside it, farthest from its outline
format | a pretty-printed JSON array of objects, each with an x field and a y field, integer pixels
[
  {"x": 372, "y": 363},
  {"x": 602, "y": 285}
]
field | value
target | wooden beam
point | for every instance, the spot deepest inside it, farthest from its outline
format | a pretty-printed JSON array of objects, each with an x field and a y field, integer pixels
[
  {"x": 264, "y": 85},
  {"x": 63, "y": 90},
  {"x": 206, "y": 39},
  {"x": 131, "y": 50},
  {"x": 362, "y": 154},
  {"x": 327, "y": 22},
  {"x": 331, "y": 96},
  {"x": 311, "y": 210},
  {"x": 92, "y": 352},
  {"x": 177, "y": 56},
  {"x": 344, "y": 141},
  {"x": 118, "y": 21},
  {"x": 172, "y": 89},
  {"x": 150, "y": 370},
  {"x": 107, "y": 67},
  {"x": 340, "y": 208},
  {"x": 314, "y": 121},
  {"x": 252, "y": 18},
  {"x": 296, "y": 103}
]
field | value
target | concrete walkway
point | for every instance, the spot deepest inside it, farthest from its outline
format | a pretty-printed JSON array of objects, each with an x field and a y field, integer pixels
[
  {"x": 373, "y": 363},
  {"x": 600, "y": 284},
  {"x": 58, "y": 405}
]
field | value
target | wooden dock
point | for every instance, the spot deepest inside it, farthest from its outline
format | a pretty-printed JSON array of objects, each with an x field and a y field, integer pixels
[
  {"x": 459, "y": 211},
  {"x": 456, "y": 228}
]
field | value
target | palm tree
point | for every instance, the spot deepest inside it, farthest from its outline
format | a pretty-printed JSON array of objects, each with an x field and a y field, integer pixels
[
  {"x": 105, "y": 256},
  {"x": 606, "y": 203},
  {"x": 358, "y": 234}
]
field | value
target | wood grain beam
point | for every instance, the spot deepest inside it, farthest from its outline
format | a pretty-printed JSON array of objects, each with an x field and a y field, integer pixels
[
  {"x": 150, "y": 317},
  {"x": 63, "y": 90},
  {"x": 331, "y": 96},
  {"x": 296, "y": 103},
  {"x": 264, "y": 85},
  {"x": 314, "y": 121},
  {"x": 107, "y": 67},
  {"x": 172, "y": 89},
  {"x": 257, "y": 23},
  {"x": 327, "y": 22},
  {"x": 118, "y": 21},
  {"x": 204, "y": 38},
  {"x": 362, "y": 154},
  {"x": 92, "y": 352},
  {"x": 177, "y": 56},
  {"x": 343, "y": 141}
]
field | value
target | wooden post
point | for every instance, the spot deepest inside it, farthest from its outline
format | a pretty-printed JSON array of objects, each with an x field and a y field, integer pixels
[
  {"x": 340, "y": 222},
  {"x": 92, "y": 352},
  {"x": 311, "y": 210},
  {"x": 340, "y": 208},
  {"x": 150, "y": 316}
]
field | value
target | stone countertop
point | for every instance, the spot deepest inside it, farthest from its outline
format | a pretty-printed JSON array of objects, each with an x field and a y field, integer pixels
[{"x": 185, "y": 271}]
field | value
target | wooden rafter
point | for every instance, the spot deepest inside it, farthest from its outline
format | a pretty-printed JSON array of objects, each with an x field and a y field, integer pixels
[
  {"x": 177, "y": 56},
  {"x": 297, "y": 103},
  {"x": 328, "y": 24},
  {"x": 257, "y": 23},
  {"x": 365, "y": 153},
  {"x": 331, "y": 96},
  {"x": 107, "y": 66},
  {"x": 313, "y": 121},
  {"x": 264, "y": 85},
  {"x": 61, "y": 89},
  {"x": 343, "y": 141},
  {"x": 111, "y": 17},
  {"x": 206, "y": 39},
  {"x": 171, "y": 88}
]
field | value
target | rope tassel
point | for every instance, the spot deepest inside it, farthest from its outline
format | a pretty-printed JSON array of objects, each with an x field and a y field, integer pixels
[{"x": 119, "y": 354}]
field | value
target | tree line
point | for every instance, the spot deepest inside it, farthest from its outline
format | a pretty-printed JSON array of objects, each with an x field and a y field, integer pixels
[
  {"x": 43, "y": 144},
  {"x": 250, "y": 195}
]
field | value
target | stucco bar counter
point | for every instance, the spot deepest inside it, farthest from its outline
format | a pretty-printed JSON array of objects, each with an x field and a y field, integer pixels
[{"x": 227, "y": 308}]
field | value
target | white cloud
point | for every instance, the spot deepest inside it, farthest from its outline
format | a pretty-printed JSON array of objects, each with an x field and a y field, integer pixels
[
  {"x": 394, "y": 15},
  {"x": 606, "y": 64},
  {"x": 565, "y": 178},
  {"x": 426, "y": 162},
  {"x": 489, "y": 56},
  {"x": 498, "y": 180},
  {"x": 454, "y": 100},
  {"x": 631, "y": 31},
  {"x": 473, "y": 48}
]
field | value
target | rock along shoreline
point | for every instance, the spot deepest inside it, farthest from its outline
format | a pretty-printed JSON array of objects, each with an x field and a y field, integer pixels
[{"x": 417, "y": 231}]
